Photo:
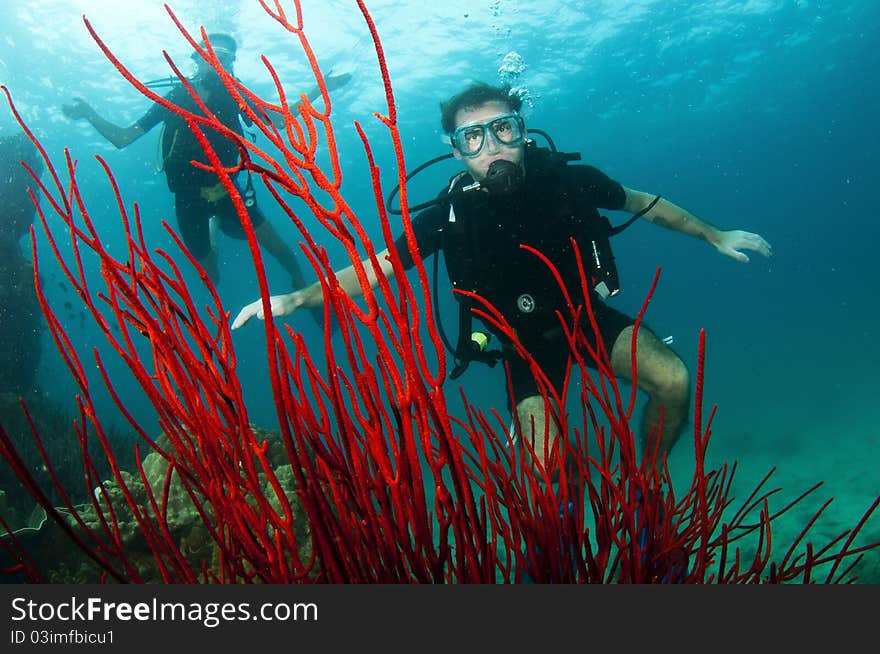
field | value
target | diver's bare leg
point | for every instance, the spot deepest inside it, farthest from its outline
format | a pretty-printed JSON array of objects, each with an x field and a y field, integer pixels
[
  {"x": 542, "y": 434},
  {"x": 269, "y": 239},
  {"x": 663, "y": 376}
]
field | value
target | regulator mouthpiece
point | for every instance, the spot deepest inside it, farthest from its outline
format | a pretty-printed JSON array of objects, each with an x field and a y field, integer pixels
[{"x": 503, "y": 177}]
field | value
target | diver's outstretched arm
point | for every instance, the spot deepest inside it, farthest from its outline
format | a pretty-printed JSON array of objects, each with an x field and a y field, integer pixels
[
  {"x": 119, "y": 136},
  {"x": 666, "y": 214},
  {"x": 312, "y": 296},
  {"x": 332, "y": 82}
]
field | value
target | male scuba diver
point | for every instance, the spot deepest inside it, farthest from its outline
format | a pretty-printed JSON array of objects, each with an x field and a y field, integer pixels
[
  {"x": 514, "y": 193},
  {"x": 199, "y": 195}
]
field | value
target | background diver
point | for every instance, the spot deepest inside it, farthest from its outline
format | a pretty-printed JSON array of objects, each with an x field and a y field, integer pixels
[{"x": 199, "y": 195}]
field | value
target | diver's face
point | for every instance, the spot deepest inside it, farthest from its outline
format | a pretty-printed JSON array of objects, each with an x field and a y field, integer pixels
[
  {"x": 493, "y": 148},
  {"x": 224, "y": 56}
]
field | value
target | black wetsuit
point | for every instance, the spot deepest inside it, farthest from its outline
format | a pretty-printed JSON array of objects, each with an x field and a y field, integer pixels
[
  {"x": 191, "y": 184},
  {"x": 482, "y": 253}
]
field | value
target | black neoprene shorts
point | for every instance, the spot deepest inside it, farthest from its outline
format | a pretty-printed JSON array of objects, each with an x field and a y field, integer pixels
[
  {"x": 194, "y": 212},
  {"x": 551, "y": 351}
]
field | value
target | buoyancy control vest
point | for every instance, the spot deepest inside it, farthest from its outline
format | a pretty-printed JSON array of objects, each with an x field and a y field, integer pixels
[
  {"x": 481, "y": 239},
  {"x": 179, "y": 147}
]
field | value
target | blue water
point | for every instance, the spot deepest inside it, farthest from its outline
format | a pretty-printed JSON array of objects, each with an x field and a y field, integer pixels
[{"x": 757, "y": 115}]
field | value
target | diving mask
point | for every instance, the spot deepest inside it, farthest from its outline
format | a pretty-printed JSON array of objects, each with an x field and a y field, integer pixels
[
  {"x": 508, "y": 129},
  {"x": 224, "y": 54}
]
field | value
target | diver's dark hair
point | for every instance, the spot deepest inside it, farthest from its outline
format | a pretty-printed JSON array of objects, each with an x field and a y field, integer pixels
[{"x": 475, "y": 95}]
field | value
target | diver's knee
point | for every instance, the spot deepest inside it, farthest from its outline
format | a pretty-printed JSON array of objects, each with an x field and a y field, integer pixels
[
  {"x": 679, "y": 376},
  {"x": 669, "y": 382},
  {"x": 537, "y": 421}
]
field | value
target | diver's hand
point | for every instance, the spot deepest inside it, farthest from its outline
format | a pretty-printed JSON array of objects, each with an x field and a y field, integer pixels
[
  {"x": 281, "y": 305},
  {"x": 336, "y": 81},
  {"x": 77, "y": 109},
  {"x": 732, "y": 242}
]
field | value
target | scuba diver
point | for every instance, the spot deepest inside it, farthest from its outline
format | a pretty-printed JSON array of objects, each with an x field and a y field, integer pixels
[
  {"x": 199, "y": 196},
  {"x": 514, "y": 193}
]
